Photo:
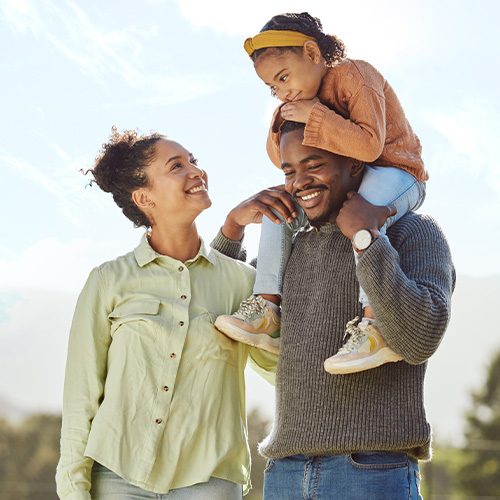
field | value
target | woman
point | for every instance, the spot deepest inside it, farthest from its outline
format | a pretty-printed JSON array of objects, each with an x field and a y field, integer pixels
[{"x": 154, "y": 401}]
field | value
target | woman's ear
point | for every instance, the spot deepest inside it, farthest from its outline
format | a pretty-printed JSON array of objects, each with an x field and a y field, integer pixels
[
  {"x": 142, "y": 200},
  {"x": 311, "y": 50}
]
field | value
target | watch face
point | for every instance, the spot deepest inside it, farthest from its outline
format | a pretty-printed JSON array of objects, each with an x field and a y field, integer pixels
[{"x": 362, "y": 239}]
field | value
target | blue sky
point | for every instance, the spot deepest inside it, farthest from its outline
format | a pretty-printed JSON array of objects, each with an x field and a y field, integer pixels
[{"x": 71, "y": 70}]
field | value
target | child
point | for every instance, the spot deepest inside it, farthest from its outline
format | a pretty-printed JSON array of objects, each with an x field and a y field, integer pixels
[{"x": 349, "y": 109}]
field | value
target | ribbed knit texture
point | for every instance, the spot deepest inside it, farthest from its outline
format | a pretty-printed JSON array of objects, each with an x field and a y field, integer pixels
[{"x": 409, "y": 283}]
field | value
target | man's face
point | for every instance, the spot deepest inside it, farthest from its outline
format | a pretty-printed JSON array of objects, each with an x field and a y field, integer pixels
[{"x": 318, "y": 179}]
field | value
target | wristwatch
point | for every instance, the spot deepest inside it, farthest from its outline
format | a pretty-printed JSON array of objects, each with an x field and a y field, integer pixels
[{"x": 363, "y": 238}]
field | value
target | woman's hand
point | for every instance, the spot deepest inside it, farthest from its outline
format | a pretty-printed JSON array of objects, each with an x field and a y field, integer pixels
[
  {"x": 254, "y": 208},
  {"x": 298, "y": 111}
]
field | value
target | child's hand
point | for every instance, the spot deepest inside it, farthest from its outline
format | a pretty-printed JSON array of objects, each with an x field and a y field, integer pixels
[{"x": 298, "y": 111}]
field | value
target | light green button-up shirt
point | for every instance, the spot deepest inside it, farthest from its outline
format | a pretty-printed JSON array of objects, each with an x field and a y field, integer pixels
[{"x": 152, "y": 390}]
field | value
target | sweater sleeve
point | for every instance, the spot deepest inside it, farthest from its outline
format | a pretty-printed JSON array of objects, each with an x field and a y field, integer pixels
[
  {"x": 410, "y": 288},
  {"x": 273, "y": 138},
  {"x": 230, "y": 248},
  {"x": 360, "y": 136},
  {"x": 83, "y": 388}
]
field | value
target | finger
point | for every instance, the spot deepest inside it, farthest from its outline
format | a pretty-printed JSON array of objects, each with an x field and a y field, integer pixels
[
  {"x": 278, "y": 205},
  {"x": 392, "y": 210},
  {"x": 286, "y": 199}
]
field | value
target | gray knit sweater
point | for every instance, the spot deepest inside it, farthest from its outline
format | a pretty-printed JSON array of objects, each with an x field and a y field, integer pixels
[{"x": 409, "y": 282}]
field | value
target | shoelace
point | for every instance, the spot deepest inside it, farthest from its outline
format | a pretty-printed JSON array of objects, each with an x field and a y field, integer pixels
[
  {"x": 356, "y": 336},
  {"x": 249, "y": 307}
]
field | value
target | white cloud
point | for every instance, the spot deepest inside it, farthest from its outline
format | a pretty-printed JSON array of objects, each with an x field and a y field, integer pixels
[
  {"x": 364, "y": 25},
  {"x": 51, "y": 264},
  {"x": 471, "y": 130},
  {"x": 100, "y": 52}
]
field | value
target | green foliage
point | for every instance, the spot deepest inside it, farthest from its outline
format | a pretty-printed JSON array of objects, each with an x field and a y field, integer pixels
[
  {"x": 28, "y": 457},
  {"x": 29, "y": 453},
  {"x": 480, "y": 472}
]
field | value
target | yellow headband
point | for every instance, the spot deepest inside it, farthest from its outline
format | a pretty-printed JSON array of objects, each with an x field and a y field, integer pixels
[{"x": 275, "y": 38}]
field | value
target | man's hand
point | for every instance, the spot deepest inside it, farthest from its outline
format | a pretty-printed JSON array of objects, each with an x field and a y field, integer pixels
[
  {"x": 357, "y": 213},
  {"x": 298, "y": 111},
  {"x": 254, "y": 208}
]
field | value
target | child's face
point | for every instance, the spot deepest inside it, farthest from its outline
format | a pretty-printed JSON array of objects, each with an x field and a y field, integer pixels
[{"x": 291, "y": 76}]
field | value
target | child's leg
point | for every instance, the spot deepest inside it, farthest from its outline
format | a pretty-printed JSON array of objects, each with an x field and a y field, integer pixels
[
  {"x": 389, "y": 186},
  {"x": 257, "y": 321},
  {"x": 366, "y": 348}
]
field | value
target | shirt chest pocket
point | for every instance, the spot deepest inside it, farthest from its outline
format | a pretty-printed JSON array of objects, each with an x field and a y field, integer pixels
[{"x": 141, "y": 316}]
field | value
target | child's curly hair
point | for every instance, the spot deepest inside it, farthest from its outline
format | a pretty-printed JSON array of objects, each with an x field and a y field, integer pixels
[
  {"x": 119, "y": 169},
  {"x": 331, "y": 47}
]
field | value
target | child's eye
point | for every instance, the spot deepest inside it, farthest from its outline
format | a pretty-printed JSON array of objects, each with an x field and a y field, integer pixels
[
  {"x": 176, "y": 166},
  {"x": 273, "y": 91},
  {"x": 283, "y": 78},
  {"x": 194, "y": 161}
]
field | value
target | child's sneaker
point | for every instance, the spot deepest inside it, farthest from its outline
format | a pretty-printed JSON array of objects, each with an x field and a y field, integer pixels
[
  {"x": 255, "y": 323},
  {"x": 365, "y": 349}
]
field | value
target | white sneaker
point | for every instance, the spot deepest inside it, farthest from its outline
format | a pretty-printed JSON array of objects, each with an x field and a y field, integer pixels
[
  {"x": 254, "y": 323},
  {"x": 365, "y": 349}
]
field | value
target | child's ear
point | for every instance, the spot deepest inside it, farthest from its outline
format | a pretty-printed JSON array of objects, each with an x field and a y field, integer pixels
[{"x": 311, "y": 50}]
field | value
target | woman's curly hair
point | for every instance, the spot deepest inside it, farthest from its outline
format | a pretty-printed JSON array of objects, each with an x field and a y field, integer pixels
[
  {"x": 332, "y": 48},
  {"x": 119, "y": 169}
]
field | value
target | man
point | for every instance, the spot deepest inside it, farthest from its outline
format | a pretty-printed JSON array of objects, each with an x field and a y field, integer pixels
[{"x": 361, "y": 435}]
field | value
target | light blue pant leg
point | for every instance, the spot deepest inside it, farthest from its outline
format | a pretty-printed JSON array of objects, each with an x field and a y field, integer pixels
[
  {"x": 275, "y": 246},
  {"x": 106, "y": 485},
  {"x": 390, "y": 186}
]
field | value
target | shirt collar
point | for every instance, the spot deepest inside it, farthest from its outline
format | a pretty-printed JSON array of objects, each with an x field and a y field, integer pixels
[{"x": 144, "y": 254}]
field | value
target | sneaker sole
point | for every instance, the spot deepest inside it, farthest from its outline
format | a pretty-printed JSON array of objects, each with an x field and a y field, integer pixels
[
  {"x": 259, "y": 340},
  {"x": 385, "y": 355}
]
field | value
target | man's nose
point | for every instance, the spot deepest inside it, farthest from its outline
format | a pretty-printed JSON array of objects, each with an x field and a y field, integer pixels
[{"x": 302, "y": 180}]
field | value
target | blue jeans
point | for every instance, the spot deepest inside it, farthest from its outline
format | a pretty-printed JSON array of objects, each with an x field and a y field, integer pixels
[
  {"x": 358, "y": 476},
  {"x": 106, "y": 484},
  {"x": 380, "y": 186}
]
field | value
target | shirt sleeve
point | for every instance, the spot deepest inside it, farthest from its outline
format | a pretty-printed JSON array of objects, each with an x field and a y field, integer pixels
[
  {"x": 360, "y": 136},
  {"x": 410, "y": 289},
  {"x": 264, "y": 363},
  {"x": 83, "y": 388}
]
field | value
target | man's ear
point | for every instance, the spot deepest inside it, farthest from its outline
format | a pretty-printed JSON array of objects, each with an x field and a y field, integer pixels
[
  {"x": 141, "y": 198},
  {"x": 357, "y": 168},
  {"x": 311, "y": 50}
]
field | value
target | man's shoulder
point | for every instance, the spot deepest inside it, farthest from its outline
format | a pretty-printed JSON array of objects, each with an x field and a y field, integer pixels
[{"x": 418, "y": 226}]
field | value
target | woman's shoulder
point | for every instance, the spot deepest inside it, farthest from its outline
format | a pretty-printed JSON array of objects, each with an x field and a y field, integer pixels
[{"x": 232, "y": 264}]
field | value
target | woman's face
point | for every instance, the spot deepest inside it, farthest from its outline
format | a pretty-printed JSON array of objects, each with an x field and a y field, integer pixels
[{"x": 178, "y": 189}]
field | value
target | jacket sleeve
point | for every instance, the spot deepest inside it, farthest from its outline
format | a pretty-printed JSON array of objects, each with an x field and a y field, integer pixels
[
  {"x": 83, "y": 388},
  {"x": 360, "y": 136},
  {"x": 410, "y": 288}
]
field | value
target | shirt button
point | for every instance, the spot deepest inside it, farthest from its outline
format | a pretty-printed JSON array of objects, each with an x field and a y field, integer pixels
[
  {"x": 165, "y": 388},
  {"x": 183, "y": 297},
  {"x": 158, "y": 420},
  {"x": 173, "y": 355},
  {"x": 181, "y": 323},
  {"x": 181, "y": 268}
]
